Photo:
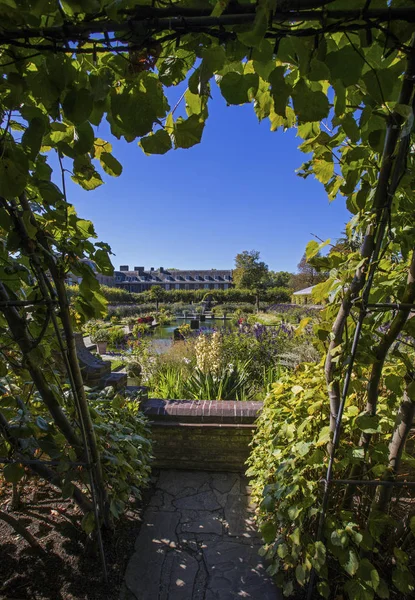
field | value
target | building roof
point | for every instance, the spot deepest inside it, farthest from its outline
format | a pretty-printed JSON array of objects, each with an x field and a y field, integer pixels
[
  {"x": 305, "y": 291},
  {"x": 179, "y": 275}
]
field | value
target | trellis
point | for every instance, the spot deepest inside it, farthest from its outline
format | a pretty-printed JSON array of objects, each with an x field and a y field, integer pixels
[{"x": 136, "y": 31}]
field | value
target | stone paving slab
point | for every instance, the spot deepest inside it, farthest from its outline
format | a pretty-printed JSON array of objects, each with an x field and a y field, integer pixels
[{"x": 198, "y": 542}]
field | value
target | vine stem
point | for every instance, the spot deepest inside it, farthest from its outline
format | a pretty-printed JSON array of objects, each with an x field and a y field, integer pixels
[{"x": 363, "y": 280}]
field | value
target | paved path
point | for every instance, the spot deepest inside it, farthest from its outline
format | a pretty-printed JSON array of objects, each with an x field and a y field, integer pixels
[{"x": 198, "y": 542}]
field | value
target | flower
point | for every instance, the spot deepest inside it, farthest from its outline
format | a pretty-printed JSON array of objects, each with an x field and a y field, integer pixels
[{"x": 187, "y": 361}]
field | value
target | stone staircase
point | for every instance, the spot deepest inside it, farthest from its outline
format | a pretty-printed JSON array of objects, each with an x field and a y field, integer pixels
[{"x": 96, "y": 372}]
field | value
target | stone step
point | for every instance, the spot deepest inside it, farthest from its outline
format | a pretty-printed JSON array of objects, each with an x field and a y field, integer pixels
[{"x": 116, "y": 380}]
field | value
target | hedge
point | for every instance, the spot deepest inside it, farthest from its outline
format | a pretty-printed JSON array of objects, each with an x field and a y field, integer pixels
[{"x": 116, "y": 296}]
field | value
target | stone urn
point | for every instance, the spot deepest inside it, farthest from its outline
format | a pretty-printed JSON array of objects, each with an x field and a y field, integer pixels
[{"x": 102, "y": 347}]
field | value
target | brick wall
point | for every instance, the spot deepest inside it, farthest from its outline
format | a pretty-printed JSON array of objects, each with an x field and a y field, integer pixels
[{"x": 206, "y": 435}]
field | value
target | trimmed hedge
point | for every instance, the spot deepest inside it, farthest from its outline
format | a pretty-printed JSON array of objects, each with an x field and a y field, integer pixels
[{"x": 119, "y": 296}]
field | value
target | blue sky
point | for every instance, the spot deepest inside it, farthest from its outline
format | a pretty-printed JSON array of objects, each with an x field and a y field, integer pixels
[{"x": 198, "y": 208}]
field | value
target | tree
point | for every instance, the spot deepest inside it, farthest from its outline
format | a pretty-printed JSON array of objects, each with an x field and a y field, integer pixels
[
  {"x": 307, "y": 275},
  {"x": 279, "y": 278},
  {"x": 157, "y": 294},
  {"x": 251, "y": 273}
]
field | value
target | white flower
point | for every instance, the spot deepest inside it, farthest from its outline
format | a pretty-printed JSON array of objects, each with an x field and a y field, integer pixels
[{"x": 187, "y": 361}]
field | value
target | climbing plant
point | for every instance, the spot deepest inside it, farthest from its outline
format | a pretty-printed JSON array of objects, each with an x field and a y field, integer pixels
[{"x": 342, "y": 74}]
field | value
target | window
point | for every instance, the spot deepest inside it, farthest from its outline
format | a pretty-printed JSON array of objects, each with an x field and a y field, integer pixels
[
  {"x": 225, "y": 286},
  {"x": 177, "y": 286},
  {"x": 167, "y": 286},
  {"x": 206, "y": 286},
  {"x": 216, "y": 286}
]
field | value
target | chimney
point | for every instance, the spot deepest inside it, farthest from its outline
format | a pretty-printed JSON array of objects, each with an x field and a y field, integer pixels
[
  {"x": 161, "y": 269},
  {"x": 151, "y": 268},
  {"x": 124, "y": 268},
  {"x": 139, "y": 269}
]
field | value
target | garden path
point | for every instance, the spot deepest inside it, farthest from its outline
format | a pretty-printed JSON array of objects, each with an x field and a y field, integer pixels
[{"x": 198, "y": 542}]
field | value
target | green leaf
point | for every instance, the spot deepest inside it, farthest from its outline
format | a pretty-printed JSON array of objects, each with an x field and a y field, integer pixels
[
  {"x": 403, "y": 580},
  {"x": 350, "y": 127},
  {"x": 411, "y": 390},
  {"x": 88, "y": 522},
  {"x": 13, "y": 472},
  {"x": 239, "y": 89},
  {"x": 288, "y": 589},
  {"x": 86, "y": 137},
  {"x": 195, "y": 104},
  {"x": 14, "y": 168},
  {"x": 268, "y": 531},
  {"x": 323, "y": 170},
  {"x": 77, "y": 105},
  {"x": 323, "y": 589},
  {"x": 319, "y": 557},
  {"x": 312, "y": 249},
  {"x": 61, "y": 132},
  {"x": 345, "y": 64},
  {"x": 135, "y": 110},
  {"x": 380, "y": 84},
  {"x": 339, "y": 538},
  {"x": 67, "y": 489},
  {"x": 110, "y": 164},
  {"x": 32, "y": 137},
  {"x": 174, "y": 68},
  {"x": 351, "y": 563},
  {"x": 358, "y": 591},
  {"x": 156, "y": 143},
  {"x": 368, "y": 423},
  {"x": 280, "y": 90},
  {"x": 188, "y": 132},
  {"x": 382, "y": 590},
  {"x": 49, "y": 191},
  {"x": 214, "y": 58},
  {"x": 368, "y": 574},
  {"x": 309, "y": 105},
  {"x": 324, "y": 436},
  {"x": 90, "y": 183},
  {"x": 318, "y": 70},
  {"x": 300, "y": 574}
]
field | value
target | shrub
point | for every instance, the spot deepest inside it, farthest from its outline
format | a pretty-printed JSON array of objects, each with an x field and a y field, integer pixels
[
  {"x": 116, "y": 336},
  {"x": 101, "y": 335},
  {"x": 231, "y": 382},
  {"x": 118, "y": 296},
  {"x": 361, "y": 553},
  {"x": 125, "y": 442}
]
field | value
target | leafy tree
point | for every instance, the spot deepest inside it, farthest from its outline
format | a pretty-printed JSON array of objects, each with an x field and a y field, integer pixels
[
  {"x": 279, "y": 278},
  {"x": 251, "y": 273},
  {"x": 307, "y": 275},
  {"x": 157, "y": 294}
]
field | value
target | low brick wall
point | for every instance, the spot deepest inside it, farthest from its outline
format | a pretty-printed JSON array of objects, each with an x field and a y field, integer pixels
[{"x": 205, "y": 435}]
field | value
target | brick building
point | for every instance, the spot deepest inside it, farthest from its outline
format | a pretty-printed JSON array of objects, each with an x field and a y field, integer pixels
[{"x": 139, "y": 280}]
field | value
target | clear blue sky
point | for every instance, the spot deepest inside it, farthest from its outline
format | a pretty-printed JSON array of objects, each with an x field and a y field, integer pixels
[{"x": 198, "y": 208}]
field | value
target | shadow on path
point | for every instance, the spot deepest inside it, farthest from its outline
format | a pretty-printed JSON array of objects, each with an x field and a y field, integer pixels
[{"x": 198, "y": 542}]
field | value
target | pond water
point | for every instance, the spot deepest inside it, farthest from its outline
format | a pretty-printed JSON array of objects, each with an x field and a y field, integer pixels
[{"x": 162, "y": 337}]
